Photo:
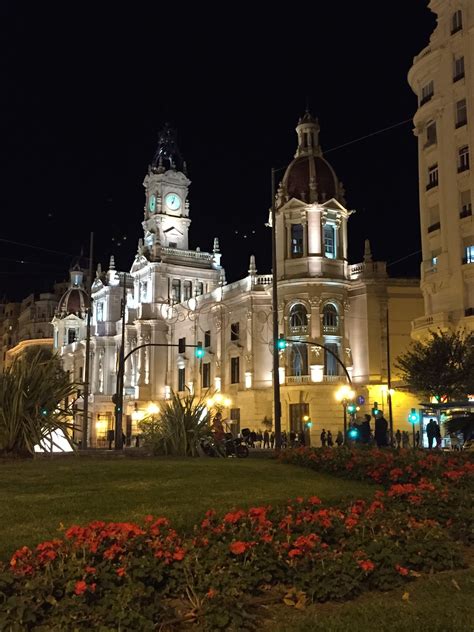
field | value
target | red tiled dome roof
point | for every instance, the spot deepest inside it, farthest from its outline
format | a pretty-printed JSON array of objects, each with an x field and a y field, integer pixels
[
  {"x": 297, "y": 180},
  {"x": 73, "y": 301}
]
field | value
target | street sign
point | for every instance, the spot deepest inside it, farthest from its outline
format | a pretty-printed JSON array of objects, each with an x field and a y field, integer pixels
[{"x": 361, "y": 400}]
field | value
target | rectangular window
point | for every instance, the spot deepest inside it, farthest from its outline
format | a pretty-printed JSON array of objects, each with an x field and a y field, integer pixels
[
  {"x": 427, "y": 92},
  {"x": 206, "y": 374},
  {"x": 176, "y": 290},
  {"x": 199, "y": 288},
  {"x": 432, "y": 177},
  {"x": 235, "y": 370},
  {"x": 433, "y": 215},
  {"x": 235, "y": 331},
  {"x": 144, "y": 291},
  {"x": 297, "y": 414},
  {"x": 330, "y": 241},
  {"x": 468, "y": 254},
  {"x": 463, "y": 159},
  {"x": 458, "y": 68},
  {"x": 431, "y": 138},
  {"x": 331, "y": 365},
  {"x": 187, "y": 290},
  {"x": 465, "y": 201},
  {"x": 461, "y": 113},
  {"x": 296, "y": 240},
  {"x": 71, "y": 336},
  {"x": 456, "y": 22},
  {"x": 181, "y": 379},
  {"x": 207, "y": 338},
  {"x": 100, "y": 312}
]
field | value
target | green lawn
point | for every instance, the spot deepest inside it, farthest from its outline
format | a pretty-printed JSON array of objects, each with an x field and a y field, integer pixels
[
  {"x": 436, "y": 603},
  {"x": 36, "y": 496}
]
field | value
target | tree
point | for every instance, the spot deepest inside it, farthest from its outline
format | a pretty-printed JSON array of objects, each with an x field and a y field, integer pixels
[
  {"x": 34, "y": 394},
  {"x": 441, "y": 366},
  {"x": 179, "y": 426}
]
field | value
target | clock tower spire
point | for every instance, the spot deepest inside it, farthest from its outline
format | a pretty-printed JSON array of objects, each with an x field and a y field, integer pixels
[{"x": 166, "y": 222}]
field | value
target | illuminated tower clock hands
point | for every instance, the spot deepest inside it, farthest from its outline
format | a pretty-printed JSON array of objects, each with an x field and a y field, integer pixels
[{"x": 172, "y": 201}]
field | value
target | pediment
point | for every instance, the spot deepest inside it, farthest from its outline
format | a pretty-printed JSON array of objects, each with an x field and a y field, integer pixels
[{"x": 334, "y": 205}]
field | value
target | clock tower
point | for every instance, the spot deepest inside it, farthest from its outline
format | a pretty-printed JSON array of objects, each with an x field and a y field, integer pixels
[{"x": 166, "y": 222}]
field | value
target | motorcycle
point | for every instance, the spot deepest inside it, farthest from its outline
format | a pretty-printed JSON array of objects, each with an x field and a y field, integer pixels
[{"x": 229, "y": 447}]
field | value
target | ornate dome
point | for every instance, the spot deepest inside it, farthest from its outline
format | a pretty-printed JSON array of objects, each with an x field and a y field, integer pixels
[
  {"x": 309, "y": 177},
  {"x": 167, "y": 155},
  {"x": 74, "y": 300}
]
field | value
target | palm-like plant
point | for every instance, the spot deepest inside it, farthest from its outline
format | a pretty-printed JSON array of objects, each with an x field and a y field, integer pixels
[
  {"x": 181, "y": 424},
  {"x": 33, "y": 395}
]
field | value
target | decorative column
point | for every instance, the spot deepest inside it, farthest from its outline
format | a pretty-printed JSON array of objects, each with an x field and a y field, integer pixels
[
  {"x": 314, "y": 231},
  {"x": 128, "y": 364}
]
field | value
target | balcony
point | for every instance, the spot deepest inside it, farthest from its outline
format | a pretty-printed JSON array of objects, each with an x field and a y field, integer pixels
[
  {"x": 432, "y": 184},
  {"x": 298, "y": 330},
  {"x": 441, "y": 319},
  {"x": 331, "y": 329},
  {"x": 461, "y": 123},
  {"x": 458, "y": 77},
  {"x": 434, "y": 227},
  {"x": 426, "y": 99},
  {"x": 298, "y": 379},
  {"x": 466, "y": 211}
]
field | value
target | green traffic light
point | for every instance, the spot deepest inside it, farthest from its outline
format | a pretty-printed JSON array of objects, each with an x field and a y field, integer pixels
[
  {"x": 281, "y": 344},
  {"x": 199, "y": 352}
]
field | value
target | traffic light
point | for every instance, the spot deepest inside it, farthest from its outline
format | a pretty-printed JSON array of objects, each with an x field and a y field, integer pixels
[
  {"x": 281, "y": 343},
  {"x": 199, "y": 350},
  {"x": 353, "y": 433},
  {"x": 309, "y": 424},
  {"x": 181, "y": 345},
  {"x": 351, "y": 409},
  {"x": 375, "y": 409},
  {"x": 413, "y": 416}
]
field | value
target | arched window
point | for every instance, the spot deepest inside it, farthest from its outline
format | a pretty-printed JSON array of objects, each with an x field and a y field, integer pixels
[
  {"x": 296, "y": 241},
  {"x": 298, "y": 319},
  {"x": 330, "y": 319}
]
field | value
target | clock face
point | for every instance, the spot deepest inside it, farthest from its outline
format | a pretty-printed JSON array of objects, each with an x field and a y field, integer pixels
[
  {"x": 173, "y": 201},
  {"x": 152, "y": 203}
]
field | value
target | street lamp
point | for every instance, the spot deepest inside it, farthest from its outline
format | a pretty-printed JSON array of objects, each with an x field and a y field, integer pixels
[{"x": 345, "y": 395}]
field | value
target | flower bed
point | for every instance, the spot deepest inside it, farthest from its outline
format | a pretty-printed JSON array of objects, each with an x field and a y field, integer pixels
[
  {"x": 385, "y": 466},
  {"x": 138, "y": 577}
]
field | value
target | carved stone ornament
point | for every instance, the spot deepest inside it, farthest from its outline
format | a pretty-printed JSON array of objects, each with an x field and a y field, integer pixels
[
  {"x": 347, "y": 306},
  {"x": 248, "y": 358},
  {"x": 316, "y": 351},
  {"x": 218, "y": 364},
  {"x": 249, "y": 314},
  {"x": 315, "y": 301}
]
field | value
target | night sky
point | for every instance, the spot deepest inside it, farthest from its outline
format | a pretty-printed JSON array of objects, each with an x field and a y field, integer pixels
[{"x": 85, "y": 89}]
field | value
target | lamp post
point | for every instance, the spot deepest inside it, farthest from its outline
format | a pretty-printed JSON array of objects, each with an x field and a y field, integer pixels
[{"x": 345, "y": 395}]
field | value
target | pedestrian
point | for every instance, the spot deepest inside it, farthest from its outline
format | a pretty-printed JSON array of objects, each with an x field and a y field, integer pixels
[
  {"x": 417, "y": 439},
  {"x": 365, "y": 430},
  {"x": 301, "y": 439},
  {"x": 266, "y": 440},
  {"x": 272, "y": 439},
  {"x": 323, "y": 438},
  {"x": 259, "y": 438},
  {"x": 405, "y": 439},
  {"x": 292, "y": 438},
  {"x": 137, "y": 441},
  {"x": 339, "y": 439},
  {"x": 284, "y": 439},
  {"x": 253, "y": 438},
  {"x": 218, "y": 428},
  {"x": 438, "y": 436},
  {"x": 381, "y": 427},
  {"x": 431, "y": 432},
  {"x": 124, "y": 440},
  {"x": 330, "y": 440},
  {"x": 398, "y": 438}
]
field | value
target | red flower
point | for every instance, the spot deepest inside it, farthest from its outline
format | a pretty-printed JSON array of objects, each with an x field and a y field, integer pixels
[
  {"x": 90, "y": 569},
  {"x": 295, "y": 553},
  {"x": 314, "y": 500},
  {"x": 401, "y": 569},
  {"x": 366, "y": 565},
  {"x": 120, "y": 571},
  {"x": 211, "y": 593},
  {"x": 80, "y": 587},
  {"x": 178, "y": 554},
  {"x": 238, "y": 547},
  {"x": 232, "y": 518}
]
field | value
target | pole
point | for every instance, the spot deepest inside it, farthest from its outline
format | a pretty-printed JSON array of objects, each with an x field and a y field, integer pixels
[
  {"x": 344, "y": 404},
  {"x": 389, "y": 382},
  {"x": 85, "y": 407},
  {"x": 276, "y": 354},
  {"x": 120, "y": 375},
  {"x": 413, "y": 428}
]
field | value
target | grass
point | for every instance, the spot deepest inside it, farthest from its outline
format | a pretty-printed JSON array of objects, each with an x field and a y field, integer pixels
[
  {"x": 435, "y": 603},
  {"x": 36, "y": 496}
]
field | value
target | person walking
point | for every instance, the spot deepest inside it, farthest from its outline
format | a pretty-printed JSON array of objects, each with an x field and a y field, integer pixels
[
  {"x": 301, "y": 439},
  {"x": 339, "y": 439},
  {"x": 292, "y": 438},
  {"x": 253, "y": 438},
  {"x": 266, "y": 440},
  {"x": 323, "y": 438},
  {"x": 381, "y": 427},
  {"x": 284, "y": 439},
  {"x": 330, "y": 440},
  {"x": 431, "y": 432},
  {"x": 398, "y": 438},
  {"x": 417, "y": 439},
  {"x": 272, "y": 439},
  {"x": 438, "y": 436},
  {"x": 365, "y": 430},
  {"x": 405, "y": 439}
]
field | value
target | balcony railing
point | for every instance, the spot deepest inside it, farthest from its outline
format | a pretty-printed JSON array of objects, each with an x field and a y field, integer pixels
[
  {"x": 298, "y": 330},
  {"x": 298, "y": 379},
  {"x": 426, "y": 98},
  {"x": 466, "y": 211},
  {"x": 331, "y": 329}
]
